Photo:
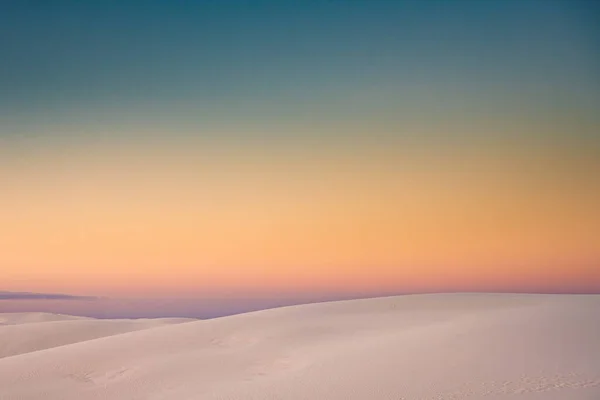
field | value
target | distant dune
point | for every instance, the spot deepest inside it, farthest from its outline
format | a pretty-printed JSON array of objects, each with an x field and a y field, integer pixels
[
  {"x": 421, "y": 347},
  {"x": 24, "y": 333},
  {"x": 27, "y": 318}
]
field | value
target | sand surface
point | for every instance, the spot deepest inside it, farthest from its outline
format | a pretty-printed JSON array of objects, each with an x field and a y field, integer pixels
[
  {"x": 426, "y": 347},
  {"x": 27, "y": 332}
]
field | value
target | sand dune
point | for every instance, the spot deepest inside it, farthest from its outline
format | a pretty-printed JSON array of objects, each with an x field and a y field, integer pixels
[
  {"x": 28, "y": 318},
  {"x": 43, "y": 331},
  {"x": 454, "y": 346}
]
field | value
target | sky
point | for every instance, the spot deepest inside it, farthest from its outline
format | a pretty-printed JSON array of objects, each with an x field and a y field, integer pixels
[{"x": 284, "y": 149}]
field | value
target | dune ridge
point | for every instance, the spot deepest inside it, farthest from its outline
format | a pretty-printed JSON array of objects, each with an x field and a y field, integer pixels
[
  {"x": 35, "y": 317},
  {"x": 26, "y": 334},
  {"x": 426, "y": 347}
]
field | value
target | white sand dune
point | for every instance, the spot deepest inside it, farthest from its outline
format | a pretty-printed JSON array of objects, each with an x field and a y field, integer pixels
[
  {"x": 425, "y": 347},
  {"x": 44, "y": 331},
  {"x": 28, "y": 318}
]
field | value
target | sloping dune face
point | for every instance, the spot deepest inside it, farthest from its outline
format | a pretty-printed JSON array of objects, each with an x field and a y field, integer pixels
[
  {"x": 425, "y": 347},
  {"x": 43, "y": 331}
]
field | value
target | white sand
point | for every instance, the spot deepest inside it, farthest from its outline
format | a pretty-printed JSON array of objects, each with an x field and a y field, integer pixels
[
  {"x": 426, "y": 347},
  {"x": 26, "y": 332},
  {"x": 27, "y": 318}
]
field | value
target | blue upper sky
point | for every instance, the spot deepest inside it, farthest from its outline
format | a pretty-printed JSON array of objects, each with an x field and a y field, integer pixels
[{"x": 189, "y": 64}]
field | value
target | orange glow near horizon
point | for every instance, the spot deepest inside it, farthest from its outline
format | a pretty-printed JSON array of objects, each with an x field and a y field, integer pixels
[{"x": 121, "y": 221}]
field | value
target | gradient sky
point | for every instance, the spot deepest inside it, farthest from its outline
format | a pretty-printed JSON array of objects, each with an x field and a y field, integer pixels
[{"x": 296, "y": 148}]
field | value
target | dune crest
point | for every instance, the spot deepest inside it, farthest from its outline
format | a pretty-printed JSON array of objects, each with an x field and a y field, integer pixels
[
  {"x": 28, "y": 318},
  {"x": 36, "y": 331}
]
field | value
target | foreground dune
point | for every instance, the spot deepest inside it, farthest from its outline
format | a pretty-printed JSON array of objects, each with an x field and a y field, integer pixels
[{"x": 451, "y": 346}]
